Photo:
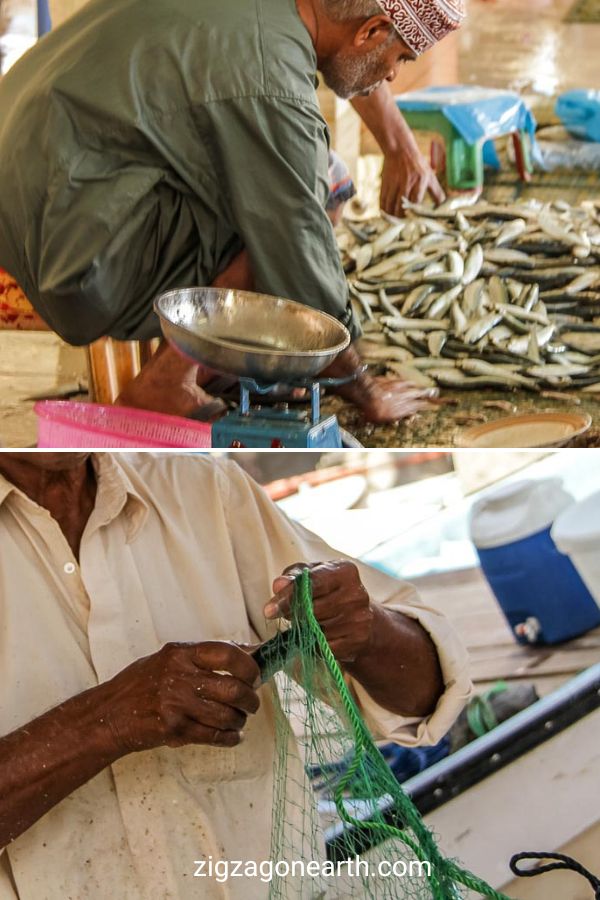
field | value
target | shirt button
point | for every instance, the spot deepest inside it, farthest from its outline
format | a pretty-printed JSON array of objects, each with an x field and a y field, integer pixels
[{"x": 69, "y": 568}]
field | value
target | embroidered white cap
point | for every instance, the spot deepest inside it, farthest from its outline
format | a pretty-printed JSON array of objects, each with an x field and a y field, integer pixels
[{"x": 422, "y": 23}]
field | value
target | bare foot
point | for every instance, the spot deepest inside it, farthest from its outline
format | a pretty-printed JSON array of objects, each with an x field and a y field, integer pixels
[{"x": 168, "y": 384}]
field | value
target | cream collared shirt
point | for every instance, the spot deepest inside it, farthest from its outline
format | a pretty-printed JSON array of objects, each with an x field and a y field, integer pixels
[{"x": 178, "y": 548}]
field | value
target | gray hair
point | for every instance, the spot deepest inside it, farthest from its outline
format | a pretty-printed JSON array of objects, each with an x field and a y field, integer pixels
[{"x": 344, "y": 10}]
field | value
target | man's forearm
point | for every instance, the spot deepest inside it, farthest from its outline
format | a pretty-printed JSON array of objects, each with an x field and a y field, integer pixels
[
  {"x": 385, "y": 121},
  {"x": 400, "y": 669},
  {"x": 49, "y": 758},
  {"x": 182, "y": 694},
  {"x": 406, "y": 174}
]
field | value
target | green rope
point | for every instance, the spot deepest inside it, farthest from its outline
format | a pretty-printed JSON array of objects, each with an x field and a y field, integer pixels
[
  {"x": 445, "y": 873},
  {"x": 481, "y": 717}
]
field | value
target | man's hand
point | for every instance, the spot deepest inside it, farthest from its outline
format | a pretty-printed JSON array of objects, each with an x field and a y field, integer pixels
[
  {"x": 184, "y": 694},
  {"x": 391, "y": 655},
  {"x": 389, "y": 400},
  {"x": 181, "y": 695},
  {"x": 407, "y": 174},
  {"x": 381, "y": 400},
  {"x": 341, "y": 605}
]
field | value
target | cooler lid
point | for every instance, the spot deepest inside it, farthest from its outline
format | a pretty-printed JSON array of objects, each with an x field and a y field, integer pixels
[
  {"x": 517, "y": 511},
  {"x": 578, "y": 528}
]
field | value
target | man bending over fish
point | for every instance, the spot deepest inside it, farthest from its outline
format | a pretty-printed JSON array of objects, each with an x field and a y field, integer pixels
[
  {"x": 147, "y": 145},
  {"x": 131, "y": 587}
]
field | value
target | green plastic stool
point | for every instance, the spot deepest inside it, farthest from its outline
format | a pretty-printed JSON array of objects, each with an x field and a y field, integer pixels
[{"x": 464, "y": 161}]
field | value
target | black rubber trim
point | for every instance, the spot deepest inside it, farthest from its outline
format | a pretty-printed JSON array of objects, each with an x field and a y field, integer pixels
[{"x": 473, "y": 764}]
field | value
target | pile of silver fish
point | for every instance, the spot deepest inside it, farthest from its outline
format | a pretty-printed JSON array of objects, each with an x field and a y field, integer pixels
[{"x": 473, "y": 295}]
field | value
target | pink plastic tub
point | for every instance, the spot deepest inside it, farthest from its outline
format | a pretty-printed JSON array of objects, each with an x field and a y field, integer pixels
[{"x": 62, "y": 424}]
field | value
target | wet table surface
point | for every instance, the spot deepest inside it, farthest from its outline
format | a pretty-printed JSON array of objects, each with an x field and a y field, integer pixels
[{"x": 440, "y": 426}]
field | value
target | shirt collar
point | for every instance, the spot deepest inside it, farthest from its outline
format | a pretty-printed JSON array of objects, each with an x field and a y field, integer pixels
[
  {"x": 5, "y": 488},
  {"x": 116, "y": 495}
]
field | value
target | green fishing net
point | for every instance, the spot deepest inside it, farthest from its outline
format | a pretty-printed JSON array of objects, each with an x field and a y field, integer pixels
[{"x": 378, "y": 844}]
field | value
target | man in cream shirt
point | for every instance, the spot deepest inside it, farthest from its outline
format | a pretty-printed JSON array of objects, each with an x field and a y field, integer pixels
[{"x": 127, "y": 585}]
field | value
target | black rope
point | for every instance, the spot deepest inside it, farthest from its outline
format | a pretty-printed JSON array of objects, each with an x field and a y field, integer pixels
[{"x": 560, "y": 861}]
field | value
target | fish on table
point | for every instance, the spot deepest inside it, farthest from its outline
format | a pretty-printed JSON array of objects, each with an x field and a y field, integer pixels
[{"x": 473, "y": 294}]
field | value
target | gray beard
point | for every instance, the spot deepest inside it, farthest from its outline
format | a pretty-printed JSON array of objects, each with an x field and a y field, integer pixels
[{"x": 353, "y": 76}]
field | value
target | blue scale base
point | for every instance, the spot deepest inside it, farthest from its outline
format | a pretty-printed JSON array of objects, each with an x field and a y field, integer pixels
[{"x": 275, "y": 430}]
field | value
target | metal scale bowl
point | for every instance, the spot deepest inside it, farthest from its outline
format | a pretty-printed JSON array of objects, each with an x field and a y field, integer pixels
[{"x": 265, "y": 341}]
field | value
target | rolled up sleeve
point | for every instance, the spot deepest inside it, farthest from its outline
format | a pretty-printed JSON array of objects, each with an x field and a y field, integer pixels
[
  {"x": 265, "y": 542},
  {"x": 416, "y": 732}
]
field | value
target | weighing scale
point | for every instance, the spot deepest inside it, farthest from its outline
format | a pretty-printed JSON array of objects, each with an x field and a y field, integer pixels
[{"x": 266, "y": 341}]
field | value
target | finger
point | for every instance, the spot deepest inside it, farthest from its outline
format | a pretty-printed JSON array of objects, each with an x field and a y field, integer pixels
[
  {"x": 193, "y": 733},
  {"x": 283, "y": 591},
  {"x": 405, "y": 411},
  {"x": 395, "y": 204},
  {"x": 402, "y": 190},
  {"x": 435, "y": 189},
  {"x": 421, "y": 190},
  {"x": 221, "y": 656},
  {"x": 216, "y": 715},
  {"x": 291, "y": 573},
  {"x": 403, "y": 386},
  {"x": 407, "y": 188},
  {"x": 416, "y": 400},
  {"x": 411, "y": 386},
  {"x": 384, "y": 200},
  {"x": 423, "y": 393},
  {"x": 284, "y": 588},
  {"x": 402, "y": 390},
  {"x": 326, "y": 578},
  {"x": 399, "y": 210},
  {"x": 330, "y": 613},
  {"x": 357, "y": 630},
  {"x": 226, "y": 690},
  {"x": 342, "y": 605},
  {"x": 431, "y": 395},
  {"x": 285, "y": 583},
  {"x": 333, "y": 575},
  {"x": 395, "y": 410}
]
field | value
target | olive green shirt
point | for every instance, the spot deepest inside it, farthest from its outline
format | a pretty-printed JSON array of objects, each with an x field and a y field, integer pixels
[{"x": 144, "y": 143}]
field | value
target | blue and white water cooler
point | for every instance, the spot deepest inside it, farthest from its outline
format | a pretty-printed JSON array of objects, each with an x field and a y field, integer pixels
[
  {"x": 539, "y": 590},
  {"x": 576, "y": 532}
]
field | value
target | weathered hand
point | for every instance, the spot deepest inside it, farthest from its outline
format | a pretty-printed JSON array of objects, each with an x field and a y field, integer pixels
[
  {"x": 407, "y": 174},
  {"x": 341, "y": 605},
  {"x": 180, "y": 696},
  {"x": 381, "y": 400},
  {"x": 391, "y": 399}
]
